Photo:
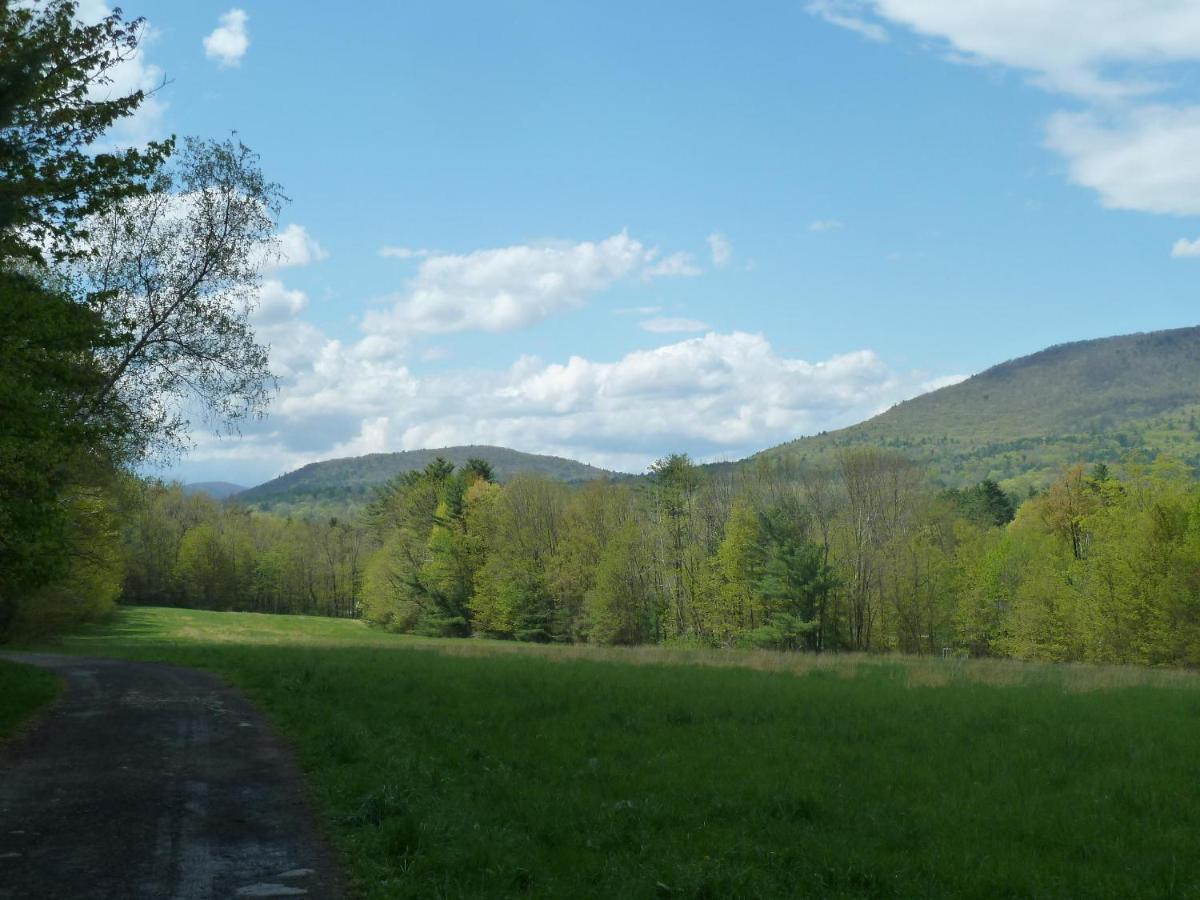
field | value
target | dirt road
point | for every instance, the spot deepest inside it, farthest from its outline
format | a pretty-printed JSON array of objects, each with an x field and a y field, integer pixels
[{"x": 151, "y": 781}]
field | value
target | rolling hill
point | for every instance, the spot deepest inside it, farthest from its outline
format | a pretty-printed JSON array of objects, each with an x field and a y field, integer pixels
[
  {"x": 1022, "y": 421},
  {"x": 218, "y": 490},
  {"x": 339, "y": 485}
]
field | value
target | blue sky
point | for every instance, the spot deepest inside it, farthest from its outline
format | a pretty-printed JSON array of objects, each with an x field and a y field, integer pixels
[{"x": 615, "y": 231}]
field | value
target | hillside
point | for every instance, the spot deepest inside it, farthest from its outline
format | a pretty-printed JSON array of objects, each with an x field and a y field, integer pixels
[
  {"x": 219, "y": 490},
  {"x": 1020, "y": 422},
  {"x": 338, "y": 485}
]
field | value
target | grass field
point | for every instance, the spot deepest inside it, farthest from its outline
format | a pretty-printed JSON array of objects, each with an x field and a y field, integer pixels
[
  {"x": 477, "y": 769},
  {"x": 23, "y": 691}
]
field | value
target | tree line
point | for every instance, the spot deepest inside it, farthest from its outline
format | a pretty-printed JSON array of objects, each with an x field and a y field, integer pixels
[
  {"x": 866, "y": 555},
  {"x": 197, "y": 552},
  {"x": 857, "y": 558}
]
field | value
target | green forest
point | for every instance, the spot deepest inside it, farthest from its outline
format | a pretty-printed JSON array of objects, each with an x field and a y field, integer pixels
[{"x": 869, "y": 555}]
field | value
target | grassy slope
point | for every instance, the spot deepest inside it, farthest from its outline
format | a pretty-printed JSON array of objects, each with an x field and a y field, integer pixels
[
  {"x": 347, "y": 483},
  {"x": 1021, "y": 421},
  {"x": 468, "y": 768},
  {"x": 23, "y": 691}
]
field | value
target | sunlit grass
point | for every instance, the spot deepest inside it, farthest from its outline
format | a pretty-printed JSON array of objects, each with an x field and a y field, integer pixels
[
  {"x": 133, "y": 629},
  {"x": 476, "y": 768}
]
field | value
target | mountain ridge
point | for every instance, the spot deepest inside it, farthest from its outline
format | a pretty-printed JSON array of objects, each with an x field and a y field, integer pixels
[
  {"x": 1020, "y": 421},
  {"x": 351, "y": 479}
]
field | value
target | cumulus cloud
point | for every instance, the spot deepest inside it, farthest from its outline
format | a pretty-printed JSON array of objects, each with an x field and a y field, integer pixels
[
  {"x": 718, "y": 395},
  {"x": 666, "y": 325},
  {"x": 298, "y": 247},
  {"x": 720, "y": 248},
  {"x": 229, "y": 41},
  {"x": 1115, "y": 55},
  {"x": 277, "y": 303},
  {"x": 824, "y": 225},
  {"x": 512, "y": 287},
  {"x": 1141, "y": 159},
  {"x": 1184, "y": 248}
]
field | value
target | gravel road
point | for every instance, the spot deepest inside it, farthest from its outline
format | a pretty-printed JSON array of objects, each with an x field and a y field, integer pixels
[{"x": 152, "y": 781}]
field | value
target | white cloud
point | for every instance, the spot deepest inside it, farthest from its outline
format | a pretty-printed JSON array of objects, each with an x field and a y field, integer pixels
[
  {"x": 277, "y": 303},
  {"x": 512, "y": 287},
  {"x": 824, "y": 225},
  {"x": 1138, "y": 154},
  {"x": 846, "y": 15},
  {"x": 291, "y": 249},
  {"x": 667, "y": 325},
  {"x": 1185, "y": 248},
  {"x": 1141, "y": 159},
  {"x": 297, "y": 247},
  {"x": 720, "y": 248},
  {"x": 719, "y": 395},
  {"x": 1067, "y": 45},
  {"x": 228, "y": 42},
  {"x": 677, "y": 265},
  {"x": 403, "y": 252}
]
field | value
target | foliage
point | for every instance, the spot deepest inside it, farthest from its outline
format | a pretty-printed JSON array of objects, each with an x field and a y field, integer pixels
[
  {"x": 191, "y": 550},
  {"x": 52, "y": 180},
  {"x": 1099, "y": 567},
  {"x": 985, "y": 503},
  {"x": 48, "y": 441},
  {"x": 89, "y": 583}
]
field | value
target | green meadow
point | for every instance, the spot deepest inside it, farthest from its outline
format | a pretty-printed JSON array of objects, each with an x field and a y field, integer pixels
[{"x": 469, "y": 768}]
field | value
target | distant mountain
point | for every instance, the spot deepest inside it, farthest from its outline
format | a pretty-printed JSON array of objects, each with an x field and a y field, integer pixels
[
  {"x": 220, "y": 490},
  {"x": 339, "y": 485},
  {"x": 1020, "y": 422}
]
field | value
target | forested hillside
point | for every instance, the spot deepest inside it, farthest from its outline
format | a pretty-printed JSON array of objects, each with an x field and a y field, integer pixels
[
  {"x": 1021, "y": 422},
  {"x": 342, "y": 486}
]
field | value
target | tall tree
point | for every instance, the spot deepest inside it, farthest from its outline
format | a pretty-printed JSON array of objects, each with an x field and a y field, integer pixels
[
  {"x": 175, "y": 275},
  {"x": 676, "y": 480}
]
